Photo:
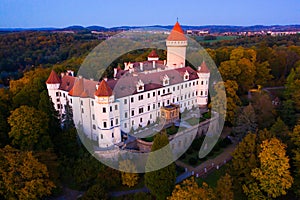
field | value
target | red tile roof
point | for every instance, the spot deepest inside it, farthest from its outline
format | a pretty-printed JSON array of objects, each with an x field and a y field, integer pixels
[
  {"x": 153, "y": 54},
  {"x": 77, "y": 89},
  {"x": 67, "y": 83},
  {"x": 203, "y": 68},
  {"x": 103, "y": 90},
  {"x": 177, "y": 33},
  {"x": 53, "y": 78}
]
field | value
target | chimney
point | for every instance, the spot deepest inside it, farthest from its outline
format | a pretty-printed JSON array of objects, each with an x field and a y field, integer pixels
[
  {"x": 97, "y": 86},
  {"x": 105, "y": 78},
  {"x": 181, "y": 65},
  {"x": 126, "y": 67},
  {"x": 62, "y": 74},
  {"x": 141, "y": 66},
  {"x": 153, "y": 64},
  {"x": 115, "y": 72}
]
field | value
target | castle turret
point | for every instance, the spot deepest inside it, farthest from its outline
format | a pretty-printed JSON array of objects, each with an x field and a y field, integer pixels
[
  {"x": 53, "y": 84},
  {"x": 176, "y": 47},
  {"x": 107, "y": 116},
  {"x": 202, "y": 91}
]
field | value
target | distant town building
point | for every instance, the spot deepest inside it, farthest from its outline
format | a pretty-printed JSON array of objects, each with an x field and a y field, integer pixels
[{"x": 136, "y": 96}]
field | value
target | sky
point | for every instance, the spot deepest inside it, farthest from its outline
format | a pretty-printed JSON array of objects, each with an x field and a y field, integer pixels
[{"x": 111, "y": 13}]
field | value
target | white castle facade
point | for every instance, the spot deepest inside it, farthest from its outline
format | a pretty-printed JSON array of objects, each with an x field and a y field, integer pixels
[{"x": 136, "y": 94}]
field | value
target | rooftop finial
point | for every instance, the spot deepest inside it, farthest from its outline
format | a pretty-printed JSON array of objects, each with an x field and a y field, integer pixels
[{"x": 177, "y": 19}]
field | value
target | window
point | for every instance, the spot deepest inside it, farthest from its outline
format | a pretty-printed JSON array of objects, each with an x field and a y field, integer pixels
[
  {"x": 185, "y": 85},
  {"x": 190, "y": 84},
  {"x": 141, "y": 110},
  {"x": 158, "y": 105},
  {"x": 93, "y": 116},
  {"x": 125, "y": 125},
  {"x": 58, "y": 106},
  {"x": 181, "y": 86},
  {"x": 197, "y": 83},
  {"x": 150, "y": 116},
  {"x": 173, "y": 89},
  {"x": 82, "y": 110},
  {"x": 178, "y": 87},
  {"x": 148, "y": 95},
  {"x": 111, "y": 122},
  {"x": 168, "y": 90},
  {"x": 112, "y": 134},
  {"x": 132, "y": 99},
  {"x": 148, "y": 107},
  {"x": 57, "y": 100},
  {"x": 92, "y": 103},
  {"x": 201, "y": 82},
  {"x": 57, "y": 94},
  {"x": 193, "y": 83},
  {"x": 110, "y": 108},
  {"x": 81, "y": 102},
  {"x": 168, "y": 102},
  {"x": 201, "y": 93},
  {"x": 126, "y": 114},
  {"x": 116, "y": 107},
  {"x": 64, "y": 94},
  {"x": 132, "y": 122},
  {"x": 104, "y": 110},
  {"x": 141, "y": 120},
  {"x": 101, "y": 136},
  {"x": 104, "y": 124},
  {"x": 94, "y": 126},
  {"x": 158, "y": 92},
  {"x": 125, "y": 101},
  {"x": 141, "y": 97},
  {"x": 173, "y": 100},
  {"x": 196, "y": 93},
  {"x": 154, "y": 94},
  {"x": 163, "y": 91},
  {"x": 132, "y": 113},
  {"x": 117, "y": 121},
  {"x": 153, "y": 106},
  {"x": 206, "y": 82},
  {"x": 71, "y": 101}
]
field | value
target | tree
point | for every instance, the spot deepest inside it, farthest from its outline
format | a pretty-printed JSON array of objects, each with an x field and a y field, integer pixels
[
  {"x": 246, "y": 122},
  {"x": 86, "y": 170},
  {"x": 95, "y": 192},
  {"x": 262, "y": 75},
  {"x": 189, "y": 189},
  {"x": 224, "y": 188},
  {"x": 288, "y": 113},
  {"x": 130, "y": 177},
  {"x": 264, "y": 109},
  {"x": 273, "y": 174},
  {"x": 233, "y": 101},
  {"x": 29, "y": 129},
  {"x": 67, "y": 118},
  {"x": 295, "y": 138},
  {"x": 160, "y": 182},
  {"x": 280, "y": 130},
  {"x": 244, "y": 159},
  {"x": 46, "y": 106},
  {"x": 22, "y": 176}
]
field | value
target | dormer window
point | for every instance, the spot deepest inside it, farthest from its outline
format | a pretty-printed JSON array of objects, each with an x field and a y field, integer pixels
[
  {"x": 186, "y": 76},
  {"x": 140, "y": 86},
  {"x": 166, "y": 80}
]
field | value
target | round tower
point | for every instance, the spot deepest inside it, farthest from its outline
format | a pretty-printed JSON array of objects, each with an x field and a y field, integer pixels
[
  {"x": 203, "y": 82},
  {"x": 176, "y": 47},
  {"x": 107, "y": 116}
]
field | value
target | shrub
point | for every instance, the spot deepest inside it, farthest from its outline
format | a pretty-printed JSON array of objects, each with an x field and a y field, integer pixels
[{"x": 193, "y": 161}]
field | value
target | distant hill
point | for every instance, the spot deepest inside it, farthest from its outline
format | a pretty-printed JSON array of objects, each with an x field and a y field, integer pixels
[{"x": 210, "y": 28}]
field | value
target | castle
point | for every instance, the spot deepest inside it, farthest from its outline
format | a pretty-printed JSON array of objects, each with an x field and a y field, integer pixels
[{"x": 137, "y": 96}]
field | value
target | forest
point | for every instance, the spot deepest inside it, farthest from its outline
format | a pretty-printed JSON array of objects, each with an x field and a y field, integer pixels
[{"x": 41, "y": 155}]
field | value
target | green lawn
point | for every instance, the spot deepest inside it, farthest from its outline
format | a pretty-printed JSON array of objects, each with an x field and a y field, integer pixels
[{"x": 213, "y": 177}]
